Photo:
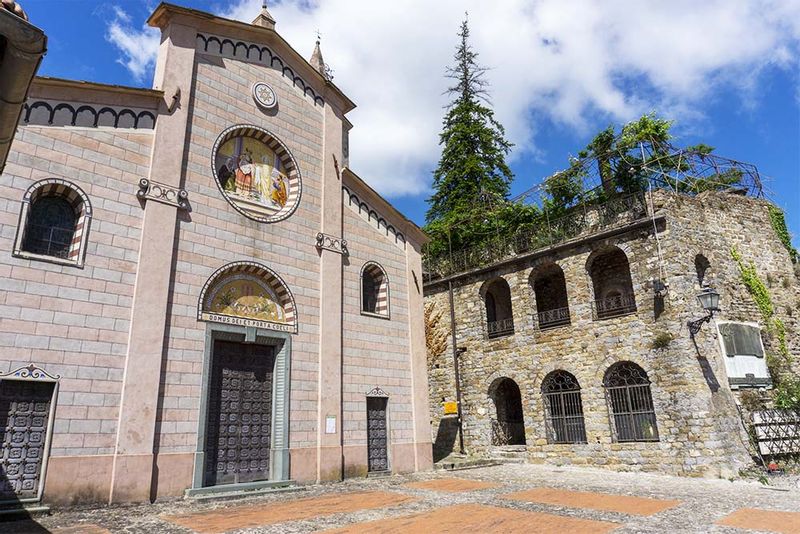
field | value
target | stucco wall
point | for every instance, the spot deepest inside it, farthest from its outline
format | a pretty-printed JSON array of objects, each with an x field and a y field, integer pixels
[{"x": 74, "y": 321}]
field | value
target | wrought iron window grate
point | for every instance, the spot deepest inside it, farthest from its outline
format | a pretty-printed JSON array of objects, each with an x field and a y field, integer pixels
[
  {"x": 615, "y": 306},
  {"x": 630, "y": 403},
  {"x": 501, "y": 328},
  {"x": 563, "y": 408}
]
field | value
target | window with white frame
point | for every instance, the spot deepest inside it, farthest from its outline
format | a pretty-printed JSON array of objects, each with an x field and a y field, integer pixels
[{"x": 744, "y": 355}]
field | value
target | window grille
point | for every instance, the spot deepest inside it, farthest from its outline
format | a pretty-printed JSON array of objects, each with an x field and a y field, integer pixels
[
  {"x": 369, "y": 293},
  {"x": 630, "y": 403},
  {"x": 51, "y": 227},
  {"x": 563, "y": 408}
]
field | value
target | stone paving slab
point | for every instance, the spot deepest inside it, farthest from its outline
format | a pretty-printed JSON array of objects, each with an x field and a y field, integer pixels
[
  {"x": 770, "y": 520},
  {"x": 605, "y": 502},
  {"x": 481, "y": 519},
  {"x": 451, "y": 485},
  {"x": 234, "y": 518}
]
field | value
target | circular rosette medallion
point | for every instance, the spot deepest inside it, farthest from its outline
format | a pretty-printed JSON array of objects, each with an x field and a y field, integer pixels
[
  {"x": 264, "y": 95},
  {"x": 256, "y": 173}
]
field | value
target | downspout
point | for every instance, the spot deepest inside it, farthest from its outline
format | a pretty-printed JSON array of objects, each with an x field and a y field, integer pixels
[{"x": 456, "y": 368}]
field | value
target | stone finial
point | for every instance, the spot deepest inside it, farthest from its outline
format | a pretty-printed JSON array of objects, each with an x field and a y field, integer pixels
[
  {"x": 264, "y": 19},
  {"x": 316, "y": 59},
  {"x": 14, "y": 7}
]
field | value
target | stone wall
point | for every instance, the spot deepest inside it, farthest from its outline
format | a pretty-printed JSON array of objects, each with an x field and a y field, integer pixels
[{"x": 696, "y": 417}]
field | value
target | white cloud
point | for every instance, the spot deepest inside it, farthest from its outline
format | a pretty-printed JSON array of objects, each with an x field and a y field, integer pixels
[
  {"x": 139, "y": 47},
  {"x": 580, "y": 63}
]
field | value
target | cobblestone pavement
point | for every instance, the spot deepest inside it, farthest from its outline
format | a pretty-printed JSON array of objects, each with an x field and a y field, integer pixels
[{"x": 546, "y": 499}]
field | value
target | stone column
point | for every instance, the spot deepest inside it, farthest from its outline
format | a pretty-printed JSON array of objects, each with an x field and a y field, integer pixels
[
  {"x": 329, "y": 444},
  {"x": 132, "y": 473}
]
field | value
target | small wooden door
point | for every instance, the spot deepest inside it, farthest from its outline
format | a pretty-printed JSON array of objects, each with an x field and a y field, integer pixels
[
  {"x": 377, "y": 434},
  {"x": 239, "y": 413},
  {"x": 24, "y": 418}
]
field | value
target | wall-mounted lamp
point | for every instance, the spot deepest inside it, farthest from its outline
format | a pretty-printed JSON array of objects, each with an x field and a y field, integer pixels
[{"x": 709, "y": 300}]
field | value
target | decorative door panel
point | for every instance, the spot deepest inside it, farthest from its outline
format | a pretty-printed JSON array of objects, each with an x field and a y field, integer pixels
[
  {"x": 239, "y": 413},
  {"x": 377, "y": 434},
  {"x": 24, "y": 419}
]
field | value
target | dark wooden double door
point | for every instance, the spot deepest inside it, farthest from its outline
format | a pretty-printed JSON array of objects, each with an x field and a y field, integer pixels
[{"x": 239, "y": 425}]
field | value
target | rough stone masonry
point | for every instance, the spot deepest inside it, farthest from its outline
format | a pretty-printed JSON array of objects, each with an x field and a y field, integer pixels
[{"x": 681, "y": 240}]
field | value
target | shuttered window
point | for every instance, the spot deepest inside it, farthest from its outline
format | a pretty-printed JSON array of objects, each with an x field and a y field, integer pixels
[{"x": 741, "y": 340}]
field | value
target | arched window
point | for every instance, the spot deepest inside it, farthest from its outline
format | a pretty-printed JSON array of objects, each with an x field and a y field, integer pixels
[
  {"x": 54, "y": 223},
  {"x": 550, "y": 288},
  {"x": 497, "y": 299},
  {"x": 611, "y": 280},
  {"x": 630, "y": 403},
  {"x": 51, "y": 226},
  {"x": 374, "y": 290},
  {"x": 701, "y": 266},
  {"x": 563, "y": 408},
  {"x": 508, "y": 428}
]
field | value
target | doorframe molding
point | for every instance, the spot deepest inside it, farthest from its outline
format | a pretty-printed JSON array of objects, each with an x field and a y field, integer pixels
[
  {"x": 281, "y": 378},
  {"x": 34, "y": 373}
]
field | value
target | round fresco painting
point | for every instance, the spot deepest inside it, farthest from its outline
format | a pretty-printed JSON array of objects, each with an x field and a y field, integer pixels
[{"x": 256, "y": 173}]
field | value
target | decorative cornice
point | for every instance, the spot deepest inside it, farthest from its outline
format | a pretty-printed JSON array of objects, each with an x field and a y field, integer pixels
[
  {"x": 377, "y": 392},
  {"x": 30, "y": 372},
  {"x": 256, "y": 53},
  {"x": 334, "y": 244},
  {"x": 163, "y": 193},
  {"x": 56, "y": 113}
]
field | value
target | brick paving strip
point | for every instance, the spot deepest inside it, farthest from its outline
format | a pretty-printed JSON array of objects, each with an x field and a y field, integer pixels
[
  {"x": 233, "y": 518},
  {"x": 451, "y": 484},
  {"x": 606, "y": 502},
  {"x": 771, "y": 520},
  {"x": 481, "y": 519}
]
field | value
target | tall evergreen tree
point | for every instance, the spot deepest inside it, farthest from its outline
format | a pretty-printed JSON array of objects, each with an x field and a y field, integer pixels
[{"x": 472, "y": 170}]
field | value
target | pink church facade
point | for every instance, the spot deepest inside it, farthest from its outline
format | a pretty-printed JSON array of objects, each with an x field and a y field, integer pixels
[{"x": 197, "y": 293}]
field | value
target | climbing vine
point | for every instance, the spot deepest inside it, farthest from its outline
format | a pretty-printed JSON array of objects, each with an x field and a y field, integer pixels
[
  {"x": 787, "y": 386},
  {"x": 778, "y": 220}
]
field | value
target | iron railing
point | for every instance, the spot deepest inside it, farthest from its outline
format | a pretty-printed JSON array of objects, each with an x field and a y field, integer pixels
[
  {"x": 615, "y": 306},
  {"x": 508, "y": 433},
  {"x": 581, "y": 220},
  {"x": 777, "y": 433},
  {"x": 503, "y": 327},
  {"x": 632, "y": 413},
  {"x": 564, "y": 417},
  {"x": 553, "y": 318}
]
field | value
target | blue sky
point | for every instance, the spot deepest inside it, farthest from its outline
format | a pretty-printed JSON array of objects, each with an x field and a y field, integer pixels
[{"x": 559, "y": 74}]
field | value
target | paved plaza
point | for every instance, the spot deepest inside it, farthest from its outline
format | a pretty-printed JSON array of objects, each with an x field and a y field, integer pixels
[{"x": 506, "y": 498}]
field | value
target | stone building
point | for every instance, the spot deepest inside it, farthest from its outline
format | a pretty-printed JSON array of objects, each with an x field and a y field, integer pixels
[
  {"x": 196, "y": 292},
  {"x": 579, "y": 352}
]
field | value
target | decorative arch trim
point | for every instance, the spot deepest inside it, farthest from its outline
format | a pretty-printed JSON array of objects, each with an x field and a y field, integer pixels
[
  {"x": 378, "y": 273},
  {"x": 295, "y": 185},
  {"x": 257, "y": 272},
  {"x": 53, "y": 113},
  {"x": 79, "y": 201},
  {"x": 211, "y": 44}
]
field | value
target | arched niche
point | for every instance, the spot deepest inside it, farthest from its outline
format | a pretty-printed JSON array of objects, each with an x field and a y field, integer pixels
[{"x": 248, "y": 294}]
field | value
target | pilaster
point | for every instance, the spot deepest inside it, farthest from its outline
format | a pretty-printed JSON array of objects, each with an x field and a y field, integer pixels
[
  {"x": 133, "y": 458},
  {"x": 329, "y": 423}
]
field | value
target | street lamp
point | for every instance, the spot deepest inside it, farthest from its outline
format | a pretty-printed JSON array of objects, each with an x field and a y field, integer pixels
[{"x": 709, "y": 300}]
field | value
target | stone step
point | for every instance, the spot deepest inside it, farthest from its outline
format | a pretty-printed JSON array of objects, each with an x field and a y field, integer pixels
[
  {"x": 238, "y": 491},
  {"x": 474, "y": 463},
  {"x": 33, "y": 509}
]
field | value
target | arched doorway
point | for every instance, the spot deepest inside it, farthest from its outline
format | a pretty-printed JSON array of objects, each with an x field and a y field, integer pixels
[{"x": 508, "y": 426}]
